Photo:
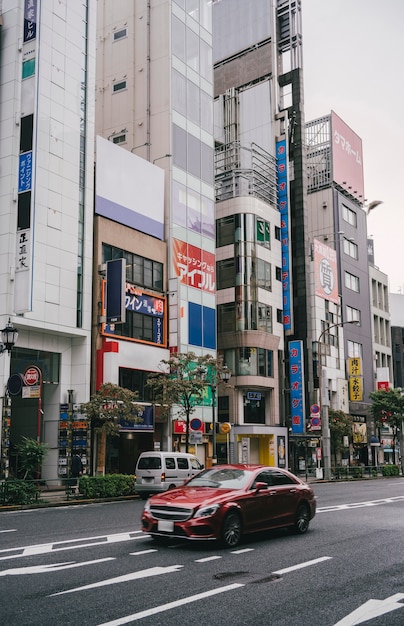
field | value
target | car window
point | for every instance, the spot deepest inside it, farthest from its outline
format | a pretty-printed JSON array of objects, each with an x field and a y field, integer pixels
[
  {"x": 149, "y": 462},
  {"x": 263, "y": 477},
  {"x": 222, "y": 478},
  {"x": 195, "y": 464},
  {"x": 182, "y": 462},
  {"x": 170, "y": 463},
  {"x": 278, "y": 478}
]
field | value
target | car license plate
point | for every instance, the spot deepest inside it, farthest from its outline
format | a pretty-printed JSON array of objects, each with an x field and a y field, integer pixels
[
  {"x": 166, "y": 526},
  {"x": 147, "y": 480}
]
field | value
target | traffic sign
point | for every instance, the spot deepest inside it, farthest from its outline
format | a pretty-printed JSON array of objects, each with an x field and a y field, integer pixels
[
  {"x": 314, "y": 409},
  {"x": 31, "y": 376}
]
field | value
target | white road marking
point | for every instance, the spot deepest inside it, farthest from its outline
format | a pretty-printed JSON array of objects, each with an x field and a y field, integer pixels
[
  {"x": 69, "y": 544},
  {"x": 286, "y": 570},
  {"x": 10, "y": 530},
  {"x": 208, "y": 558},
  {"x": 146, "y": 573},
  {"x": 372, "y": 609},
  {"x": 242, "y": 551},
  {"x": 358, "y": 505},
  {"x": 51, "y": 567},
  {"x": 171, "y": 605},
  {"x": 143, "y": 552}
]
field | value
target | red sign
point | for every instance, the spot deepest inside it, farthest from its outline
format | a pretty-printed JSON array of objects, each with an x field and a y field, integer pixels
[
  {"x": 31, "y": 376},
  {"x": 383, "y": 385},
  {"x": 318, "y": 454}
]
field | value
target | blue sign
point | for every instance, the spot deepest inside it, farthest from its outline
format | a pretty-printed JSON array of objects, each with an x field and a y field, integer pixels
[
  {"x": 283, "y": 207},
  {"x": 25, "y": 172},
  {"x": 147, "y": 423},
  {"x": 254, "y": 395},
  {"x": 296, "y": 375}
]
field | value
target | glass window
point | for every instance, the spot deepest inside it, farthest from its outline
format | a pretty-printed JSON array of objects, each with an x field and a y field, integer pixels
[
  {"x": 225, "y": 273},
  {"x": 192, "y": 8},
  {"x": 277, "y": 233},
  {"x": 206, "y": 60},
  {"x": 194, "y": 155},
  {"x": 193, "y": 102},
  {"x": 349, "y": 215},
  {"x": 170, "y": 463},
  {"x": 207, "y": 163},
  {"x": 192, "y": 53},
  {"x": 354, "y": 349},
  {"x": 264, "y": 317},
  {"x": 224, "y": 231},
  {"x": 279, "y": 316},
  {"x": 206, "y": 112},
  {"x": 351, "y": 282},
  {"x": 179, "y": 90},
  {"x": 352, "y": 315},
  {"x": 254, "y": 411},
  {"x": 26, "y": 133},
  {"x": 226, "y": 317},
  {"x": 178, "y": 38},
  {"x": 350, "y": 248},
  {"x": 264, "y": 275},
  {"x": 182, "y": 463},
  {"x": 179, "y": 147}
]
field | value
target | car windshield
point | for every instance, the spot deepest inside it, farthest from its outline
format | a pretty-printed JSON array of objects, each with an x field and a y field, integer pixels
[{"x": 223, "y": 478}]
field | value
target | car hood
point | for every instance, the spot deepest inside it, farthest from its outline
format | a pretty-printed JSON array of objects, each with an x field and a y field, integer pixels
[{"x": 193, "y": 496}]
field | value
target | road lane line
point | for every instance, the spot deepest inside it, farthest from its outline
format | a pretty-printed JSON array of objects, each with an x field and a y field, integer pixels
[
  {"x": 242, "y": 551},
  {"x": 143, "y": 552},
  {"x": 10, "y": 530},
  {"x": 50, "y": 567},
  {"x": 286, "y": 570},
  {"x": 208, "y": 558},
  {"x": 145, "y": 573},
  {"x": 171, "y": 605}
]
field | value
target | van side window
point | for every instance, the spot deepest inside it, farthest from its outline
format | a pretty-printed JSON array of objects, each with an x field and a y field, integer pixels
[
  {"x": 170, "y": 463},
  {"x": 195, "y": 464},
  {"x": 182, "y": 463},
  {"x": 149, "y": 463}
]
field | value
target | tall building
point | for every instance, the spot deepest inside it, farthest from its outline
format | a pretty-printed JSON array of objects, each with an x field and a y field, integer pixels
[
  {"x": 154, "y": 99},
  {"x": 46, "y": 223},
  {"x": 341, "y": 320},
  {"x": 257, "y": 64}
]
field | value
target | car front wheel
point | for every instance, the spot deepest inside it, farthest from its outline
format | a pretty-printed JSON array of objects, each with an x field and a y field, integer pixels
[
  {"x": 302, "y": 519},
  {"x": 231, "y": 531}
]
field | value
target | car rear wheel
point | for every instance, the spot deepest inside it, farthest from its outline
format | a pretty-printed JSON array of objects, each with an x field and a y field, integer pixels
[
  {"x": 231, "y": 531},
  {"x": 302, "y": 519}
]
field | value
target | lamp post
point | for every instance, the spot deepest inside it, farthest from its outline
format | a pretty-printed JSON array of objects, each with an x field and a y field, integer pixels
[
  {"x": 9, "y": 336},
  {"x": 324, "y": 403}
]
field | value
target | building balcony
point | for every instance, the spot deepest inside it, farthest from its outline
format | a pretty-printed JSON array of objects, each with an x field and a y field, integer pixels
[{"x": 241, "y": 171}]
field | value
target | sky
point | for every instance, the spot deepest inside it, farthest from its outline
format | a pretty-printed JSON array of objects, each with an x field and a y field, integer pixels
[{"x": 353, "y": 65}]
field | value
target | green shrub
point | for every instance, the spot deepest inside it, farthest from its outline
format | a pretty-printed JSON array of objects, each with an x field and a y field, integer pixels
[
  {"x": 357, "y": 472},
  {"x": 109, "y": 486},
  {"x": 390, "y": 470},
  {"x": 18, "y": 492}
]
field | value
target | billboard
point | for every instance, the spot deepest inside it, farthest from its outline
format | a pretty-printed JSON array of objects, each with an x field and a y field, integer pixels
[
  {"x": 325, "y": 271},
  {"x": 296, "y": 375},
  {"x": 194, "y": 267},
  {"x": 347, "y": 160},
  {"x": 129, "y": 190}
]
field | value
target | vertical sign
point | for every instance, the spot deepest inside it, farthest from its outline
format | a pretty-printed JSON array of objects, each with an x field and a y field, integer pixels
[
  {"x": 325, "y": 271},
  {"x": 296, "y": 374},
  {"x": 115, "y": 291},
  {"x": 283, "y": 206}
]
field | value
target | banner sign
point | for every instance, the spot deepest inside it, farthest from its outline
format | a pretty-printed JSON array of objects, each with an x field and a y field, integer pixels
[{"x": 296, "y": 375}]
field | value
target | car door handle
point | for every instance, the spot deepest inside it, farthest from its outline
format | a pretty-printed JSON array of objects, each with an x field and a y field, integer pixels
[
  {"x": 292, "y": 491},
  {"x": 272, "y": 492}
]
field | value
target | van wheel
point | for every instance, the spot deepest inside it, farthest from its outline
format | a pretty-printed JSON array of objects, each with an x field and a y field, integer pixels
[{"x": 171, "y": 487}]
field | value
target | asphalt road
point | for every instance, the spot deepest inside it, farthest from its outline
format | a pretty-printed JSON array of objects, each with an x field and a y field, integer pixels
[{"x": 91, "y": 565}]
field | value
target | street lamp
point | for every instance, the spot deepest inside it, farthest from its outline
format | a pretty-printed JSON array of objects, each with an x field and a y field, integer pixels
[
  {"x": 9, "y": 336},
  {"x": 324, "y": 403},
  {"x": 225, "y": 375}
]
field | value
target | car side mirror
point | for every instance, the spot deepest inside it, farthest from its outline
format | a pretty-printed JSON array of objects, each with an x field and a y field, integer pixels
[
  {"x": 260, "y": 486},
  {"x": 202, "y": 466}
]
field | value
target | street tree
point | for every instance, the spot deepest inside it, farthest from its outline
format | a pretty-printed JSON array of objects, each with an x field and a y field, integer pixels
[
  {"x": 340, "y": 427},
  {"x": 107, "y": 409},
  {"x": 182, "y": 382},
  {"x": 31, "y": 453},
  {"x": 388, "y": 410}
]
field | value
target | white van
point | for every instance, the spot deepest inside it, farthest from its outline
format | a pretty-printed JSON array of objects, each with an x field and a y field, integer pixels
[{"x": 159, "y": 471}]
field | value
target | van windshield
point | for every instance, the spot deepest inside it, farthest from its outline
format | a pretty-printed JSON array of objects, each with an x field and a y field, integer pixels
[{"x": 149, "y": 462}]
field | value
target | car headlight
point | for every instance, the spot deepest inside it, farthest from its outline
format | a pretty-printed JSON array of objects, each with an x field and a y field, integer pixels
[
  {"x": 206, "y": 511},
  {"x": 146, "y": 508}
]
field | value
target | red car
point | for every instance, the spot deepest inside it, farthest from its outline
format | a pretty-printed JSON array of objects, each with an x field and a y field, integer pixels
[{"x": 227, "y": 501}]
